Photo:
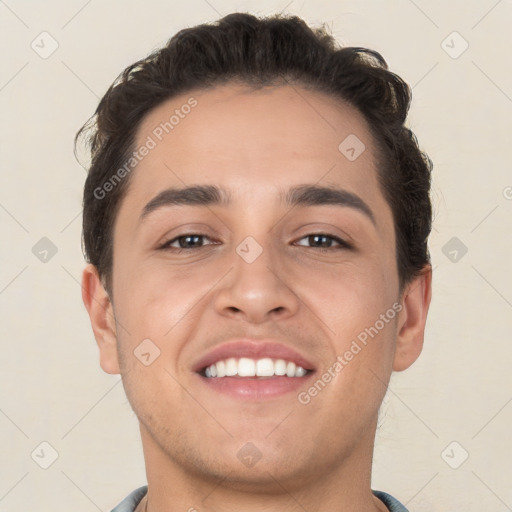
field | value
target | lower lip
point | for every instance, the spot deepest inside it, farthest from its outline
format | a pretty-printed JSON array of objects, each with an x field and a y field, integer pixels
[{"x": 253, "y": 388}]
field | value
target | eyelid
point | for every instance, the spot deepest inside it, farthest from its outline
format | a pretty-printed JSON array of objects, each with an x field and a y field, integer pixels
[
  {"x": 326, "y": 229},
  {"x": 166, "y": 243},
  {"x": 188, "y": 229},
  {"x": 342, "y": 243}
]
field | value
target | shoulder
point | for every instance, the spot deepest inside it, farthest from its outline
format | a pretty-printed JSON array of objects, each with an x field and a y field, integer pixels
[
  {"x": 132, "y": 500},
  {"x": 392, "y": 503}
]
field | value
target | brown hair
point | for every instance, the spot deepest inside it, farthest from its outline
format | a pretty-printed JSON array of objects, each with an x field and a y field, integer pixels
[{"x": 260, "y": 52}]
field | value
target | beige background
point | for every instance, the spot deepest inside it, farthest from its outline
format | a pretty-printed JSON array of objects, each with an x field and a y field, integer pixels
[{"x": 52, "y": 389}]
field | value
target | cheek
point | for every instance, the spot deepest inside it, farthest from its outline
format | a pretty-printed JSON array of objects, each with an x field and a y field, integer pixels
[
  {"x": 353, "y": 297},
  {"x": 159, "y": 296},
  {"x": 160, "y": 308},
  {"x": 361, "y": 311}
]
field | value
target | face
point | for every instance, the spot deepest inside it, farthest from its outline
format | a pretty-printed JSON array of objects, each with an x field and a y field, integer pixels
[{"x": 288, "y": 267}]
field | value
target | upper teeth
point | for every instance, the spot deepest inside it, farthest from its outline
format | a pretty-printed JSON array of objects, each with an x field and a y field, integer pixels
[{"x": 245, "y": 367}]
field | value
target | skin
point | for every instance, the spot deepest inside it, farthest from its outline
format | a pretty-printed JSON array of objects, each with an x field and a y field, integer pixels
[{"x": 255, "y": 144}]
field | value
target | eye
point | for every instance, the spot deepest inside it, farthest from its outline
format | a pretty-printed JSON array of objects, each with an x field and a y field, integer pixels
[
  {"x": 185, "y": 242},
  {"x": 190, "y": 241},
  {"x": 324, "y": 241}
]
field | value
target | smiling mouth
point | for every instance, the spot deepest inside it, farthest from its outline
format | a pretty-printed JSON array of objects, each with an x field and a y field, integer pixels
[{"x": 261, "y": 368}]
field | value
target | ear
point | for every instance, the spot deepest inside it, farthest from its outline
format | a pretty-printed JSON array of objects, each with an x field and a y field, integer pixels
[
  {"x": 411, "y": 321},
  {"x": 99, "y": 307}
]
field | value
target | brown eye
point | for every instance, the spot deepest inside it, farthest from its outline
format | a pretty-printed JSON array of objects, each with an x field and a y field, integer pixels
[
  {"x": 325, "y": 242},
  {"x": 184, "y": 242}
]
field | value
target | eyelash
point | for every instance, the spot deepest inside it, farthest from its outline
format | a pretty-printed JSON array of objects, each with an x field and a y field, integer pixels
[{"x": 166, "y": 246}]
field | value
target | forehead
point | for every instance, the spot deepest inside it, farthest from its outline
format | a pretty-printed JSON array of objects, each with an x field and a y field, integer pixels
[
  {"x": 256, "y": 143},
  {"x": 268, "y": 132}
]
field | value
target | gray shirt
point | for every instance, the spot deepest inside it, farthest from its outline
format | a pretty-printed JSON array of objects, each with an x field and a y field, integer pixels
[{"x": 129, "y": 504}]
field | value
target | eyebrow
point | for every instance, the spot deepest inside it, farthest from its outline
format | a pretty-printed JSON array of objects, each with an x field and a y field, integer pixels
[{"x": 301, "y": 195}]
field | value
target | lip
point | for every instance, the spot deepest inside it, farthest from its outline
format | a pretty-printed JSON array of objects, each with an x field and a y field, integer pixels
[
  {"x": 253, "y": 349},
  {"x": 254, "y": 388}
]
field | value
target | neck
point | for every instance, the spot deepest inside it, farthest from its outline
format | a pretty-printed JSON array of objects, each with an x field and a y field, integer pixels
[{"x": 343, "y": 487}]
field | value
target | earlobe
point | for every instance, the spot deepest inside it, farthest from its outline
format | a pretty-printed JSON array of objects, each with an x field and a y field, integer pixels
[
  {"x": 412, "y": 319},
  {"x": 99, "y": 306}
]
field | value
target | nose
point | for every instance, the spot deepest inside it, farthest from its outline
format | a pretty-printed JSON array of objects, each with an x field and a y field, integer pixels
[{"x": 257, "y": 290}]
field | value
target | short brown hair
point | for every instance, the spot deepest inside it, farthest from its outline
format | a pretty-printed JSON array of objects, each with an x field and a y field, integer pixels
[{"x": 261, "y": 52}]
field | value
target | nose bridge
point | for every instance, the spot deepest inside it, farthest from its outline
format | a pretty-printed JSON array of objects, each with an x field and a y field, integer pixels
[
  {"x": 257, "y": 251},
  {"x": 257, "y": 264}
]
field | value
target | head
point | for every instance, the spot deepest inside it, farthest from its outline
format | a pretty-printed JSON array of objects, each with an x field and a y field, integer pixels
[{"x": 263, "y": 119}]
